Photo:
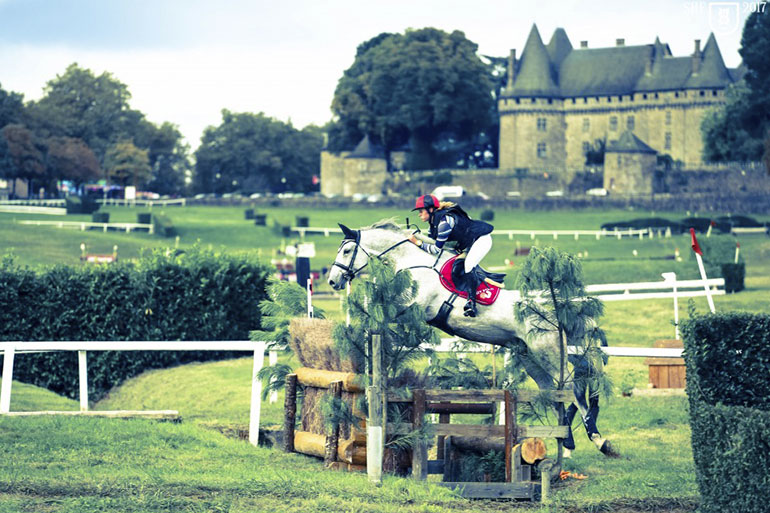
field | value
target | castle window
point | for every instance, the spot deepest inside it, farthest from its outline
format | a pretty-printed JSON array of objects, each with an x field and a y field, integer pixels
[
  {"x": 586, "y": 147},
  {"x": 517, "y": 101},
  {"x": 550, "y": 101},
  {"x": 703, "y": 93},
  {"x": 714, "y": 93},
  {"x": 585, "y": 100},
  {"x": 668, "y": 117},
  {"x": 632, "y": 97},
  {"x": 613, "y": 123},
  {"x": 667, "y": 144},
  {"x": 644, "y": 96},
  {"x": 541, "y": 126},
  {"x": 656, "y": 96},
  {"x": 609, "y": 99},
  {"x": 676, "y": 95},
  {"x": 573, "y": 101},
  {"x": 541, "y": 150},
  {"x": 586, "y": 124},
  {"x": 620, "y": 97},
  {"x": 630, "y": 122},
  {"x": 534, "y": 100}
]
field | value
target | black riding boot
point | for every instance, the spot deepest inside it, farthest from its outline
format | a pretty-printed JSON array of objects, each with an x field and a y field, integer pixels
[{"x": 470, "y": 284}]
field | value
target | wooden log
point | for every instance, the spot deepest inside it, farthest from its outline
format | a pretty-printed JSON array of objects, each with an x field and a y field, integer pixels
[
  {"x": 532, "y": 450},
  {"x": 484, "y": 430},
  {"x": 479, "y": 443},
  {"x": 311, "y": 444},
  {"x": 289, "y": 412},
  {"x": 445, "y": 408},
  {"x": 420, "y": 450},
  {"x": 332, "y": 440},
  {"x": 510, "y": 433},
  {"x": 323, "y": 379},
  {"x": 352, "y": 451}
]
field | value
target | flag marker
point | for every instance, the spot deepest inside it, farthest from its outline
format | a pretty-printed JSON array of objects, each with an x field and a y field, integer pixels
[{"x": 698, "y": 257}]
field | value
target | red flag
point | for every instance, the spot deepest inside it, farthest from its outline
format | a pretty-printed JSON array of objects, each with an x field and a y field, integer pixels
[{"x": 695, "y": 246}]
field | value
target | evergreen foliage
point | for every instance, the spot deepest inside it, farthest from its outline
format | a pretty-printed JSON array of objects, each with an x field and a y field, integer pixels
[{"x": 285, "y": 301}]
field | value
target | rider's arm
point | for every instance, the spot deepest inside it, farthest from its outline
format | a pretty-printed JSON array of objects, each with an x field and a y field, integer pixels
[{"x": 443, "y": 230}]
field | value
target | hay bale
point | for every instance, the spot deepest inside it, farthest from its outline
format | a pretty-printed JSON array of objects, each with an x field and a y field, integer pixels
[{"x": 311, "y": 340}]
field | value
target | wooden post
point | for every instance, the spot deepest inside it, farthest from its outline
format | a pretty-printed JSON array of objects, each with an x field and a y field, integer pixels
[
  {"x": 83, "y": 379},
  {"x": 419, "y": 451},
  {"x": 375, "y": 424},
  {"x": 289, "y": 412},
  {"x": 510, "y": 434},
  {"x": 443, "y": 418},
  {"x": 256, "y": 393},
  {"x": 5, "y": 394},
  {"x": 333, "y": 439}
]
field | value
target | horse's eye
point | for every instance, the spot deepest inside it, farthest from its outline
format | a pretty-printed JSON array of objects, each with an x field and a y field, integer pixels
[{"x": 346, "y": 252}]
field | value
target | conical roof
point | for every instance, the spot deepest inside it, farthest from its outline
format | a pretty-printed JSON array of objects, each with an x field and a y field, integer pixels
[
  {"x": 712, "y": 71},
  {"x": 559, "y": 46},
  {"x": 366, "y": 149},
  {"x": 629, "y": 143},
  {"x": 535, "y": 76}
]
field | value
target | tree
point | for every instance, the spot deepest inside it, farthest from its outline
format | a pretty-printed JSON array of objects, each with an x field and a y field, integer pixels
[
  {"x": 253, "y": 152},
  {"x": 11, "y": 107},
  {"x": 82, "y": 105},
  {"x": 71, "y": 159},
  {"x": 126, "y": 163},
  {"x": 169, "y": 159},
  {"x": 737, "y": 131},
  {"x": 24, "y": 154},
  {"x": 425, "y": 87}
]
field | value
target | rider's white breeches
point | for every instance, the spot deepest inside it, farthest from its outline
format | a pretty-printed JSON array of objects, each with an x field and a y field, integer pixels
[{"x": 477, "y": 252}]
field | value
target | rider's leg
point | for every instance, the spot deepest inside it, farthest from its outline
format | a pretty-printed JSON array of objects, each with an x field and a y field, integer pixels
[{"x": 476, "y": 253}]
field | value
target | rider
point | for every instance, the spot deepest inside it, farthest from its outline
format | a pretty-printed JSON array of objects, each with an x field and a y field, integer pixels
[{"x": 449, "y": 222}]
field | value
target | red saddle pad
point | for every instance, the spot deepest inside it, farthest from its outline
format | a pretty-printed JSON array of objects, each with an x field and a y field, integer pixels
[{"x": 486, "y": 294}]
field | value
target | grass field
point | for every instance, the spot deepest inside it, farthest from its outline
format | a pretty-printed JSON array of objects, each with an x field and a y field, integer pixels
[{"x": 80, "y": 464}]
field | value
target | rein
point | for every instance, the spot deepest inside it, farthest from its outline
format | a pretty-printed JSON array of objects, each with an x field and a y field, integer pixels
[{"x": 348, "y": 271}]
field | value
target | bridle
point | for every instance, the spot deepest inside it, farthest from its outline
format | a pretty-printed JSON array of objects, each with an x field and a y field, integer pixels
[{"x": 347, "y": 270}]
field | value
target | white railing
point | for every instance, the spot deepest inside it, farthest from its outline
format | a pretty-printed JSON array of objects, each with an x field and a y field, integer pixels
[
  {"x": 143, "y": 203},
  {"x": 35, "y": 202},
  {"x": 681, "y": 288},
  {"x": 737, "y": 230},
  {"x": 532, "y": 233},
  {"x": 82, "y": 225},
  {"x": 9, "y": 350},
  {"x": 28, "y": 209},
  {"x": 457, "y": 345}
]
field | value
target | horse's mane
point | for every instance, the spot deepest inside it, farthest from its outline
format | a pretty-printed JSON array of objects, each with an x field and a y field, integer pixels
[{"x": 389, "y": 224}]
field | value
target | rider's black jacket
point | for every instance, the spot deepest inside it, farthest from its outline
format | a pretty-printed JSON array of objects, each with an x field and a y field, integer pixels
[{"x": 466, "y": 230}]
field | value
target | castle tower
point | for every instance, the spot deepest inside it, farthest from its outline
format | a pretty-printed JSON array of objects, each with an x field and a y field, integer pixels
[{"x": 629, "y": 165}]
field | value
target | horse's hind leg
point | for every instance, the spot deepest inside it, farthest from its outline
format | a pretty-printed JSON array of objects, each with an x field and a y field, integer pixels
[{"x": 589, "y": 410}]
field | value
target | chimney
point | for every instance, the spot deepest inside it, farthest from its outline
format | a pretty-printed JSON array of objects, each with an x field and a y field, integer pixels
[
  {"x": 584, "y": 44},
  {"x": 697, "y": 57},
  {"x": 511, "y": 69},
  {"x": 620, "y": 42}
]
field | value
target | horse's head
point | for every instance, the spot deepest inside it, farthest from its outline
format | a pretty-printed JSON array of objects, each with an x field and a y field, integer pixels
[{"x": 350, "y": 259}]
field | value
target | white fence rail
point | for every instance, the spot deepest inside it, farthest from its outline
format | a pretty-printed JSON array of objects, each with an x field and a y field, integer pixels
[
  {"x": 456, "y": 345},
  {"x": 30, "y": 209},
  {"x": 326, "y": 232},
  {"x": 10, "y": 349},
  {"x": 83, "y": 225},
  {"x": 143, "y": 203},
  {"x": 672, "y": 288}
]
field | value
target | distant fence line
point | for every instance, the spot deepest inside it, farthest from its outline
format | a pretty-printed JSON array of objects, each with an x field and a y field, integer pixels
[{"x": 83, "y": 225}]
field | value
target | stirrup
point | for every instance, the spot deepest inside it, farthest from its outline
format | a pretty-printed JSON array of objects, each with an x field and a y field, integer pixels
[{"x": 469, "y": 310}]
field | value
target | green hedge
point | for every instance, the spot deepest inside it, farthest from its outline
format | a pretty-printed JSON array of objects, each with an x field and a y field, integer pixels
[
  {"x": 81, "y": 205},
  {"x": 728, "y": 377},
  {"x": 163, "y": 226},
  {"x": 719, "y": 257},
  {"x": 197, "y": 295}
]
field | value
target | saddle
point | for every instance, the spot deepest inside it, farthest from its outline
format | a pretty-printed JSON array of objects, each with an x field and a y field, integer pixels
[{"x": 452, "y": 272}]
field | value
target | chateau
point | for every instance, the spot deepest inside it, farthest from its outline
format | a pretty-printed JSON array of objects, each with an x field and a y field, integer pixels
[
  {"x": 641, "y": 101},
  {"x": 559, "y": 100}
]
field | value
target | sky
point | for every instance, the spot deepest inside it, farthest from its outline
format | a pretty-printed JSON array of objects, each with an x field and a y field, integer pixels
[{"x": 185, "y": 60}]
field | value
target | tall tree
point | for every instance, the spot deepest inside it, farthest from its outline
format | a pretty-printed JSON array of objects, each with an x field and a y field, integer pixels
[
  {"x": 71, "y": 159},
  {"x": 253, "y": 152},
  {"x": 168, "y": 157},
  {"x": 426, "y": 87},
  {"x": 82, "y": 105},
  {"x": 24, "y": 155},
  {"x": 738, "y": 130},
  {"x": 126, "y": 164},
  {"x": 11, "y": 107}
]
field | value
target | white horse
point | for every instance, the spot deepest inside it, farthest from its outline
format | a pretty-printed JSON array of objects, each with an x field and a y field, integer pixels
[{"x": 494, "y": 324}]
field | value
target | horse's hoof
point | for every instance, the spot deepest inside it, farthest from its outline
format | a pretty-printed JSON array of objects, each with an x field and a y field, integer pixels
[{"x": 608, "y": 450}]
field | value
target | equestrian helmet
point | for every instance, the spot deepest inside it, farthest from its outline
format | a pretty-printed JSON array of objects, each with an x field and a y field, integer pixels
[{"x": 426, "y": 201}]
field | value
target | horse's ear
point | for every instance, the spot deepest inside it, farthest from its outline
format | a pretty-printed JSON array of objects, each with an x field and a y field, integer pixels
[{"x": 348, "y": 233}]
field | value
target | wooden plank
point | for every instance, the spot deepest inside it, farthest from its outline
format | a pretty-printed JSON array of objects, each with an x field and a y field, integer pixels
[
  {"x": 115, "y": 414},
  {"x": 435, "y": 466},
  {"x": 493, "y": 395},
  {"x": 289, "y": 412},
  {"x": 484, "y": 430},
  {"x": 543, "y": 431},
  {"x": 492, "y": 490},
  {"x": 510, "y": 433},
  {"x": 445, "y": 408},
  {"x": 323, "y": 379},
  {"x": 419, "y": 450},
  {"x": 333, "y": 438}
]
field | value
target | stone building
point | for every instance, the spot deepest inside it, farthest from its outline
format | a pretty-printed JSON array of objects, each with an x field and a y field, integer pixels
[
  {"x": 559, "y": 100},
  {"x": 629, "y": 165},
  {"x": 361, "y": 171}
]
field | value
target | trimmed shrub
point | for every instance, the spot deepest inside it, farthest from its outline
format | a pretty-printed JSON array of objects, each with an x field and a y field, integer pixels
[
  {"x": 248, "y": 213},
  {"x": 260, "y": 219},
  {"x": 163, "y": 226},
  {"x": 81, "y": 205},
  {"x": 740, "y": 221},
  {"x": 193, "y": 295},
  {"x": 734, "y": 275},
  {"x": 303, "y": 221},
  {"x": 144, "y": 218},
  {"x": 701, "y": 224},
  {"x": 728, "y": 374},
  {"x": 719, "y": 256},
  {"x": 488, "y": 215},
  {"x": 100, "y": 217}
]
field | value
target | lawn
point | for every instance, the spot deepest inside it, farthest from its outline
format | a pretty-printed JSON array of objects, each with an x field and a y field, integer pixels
[{"x": 202, "y": 464}]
